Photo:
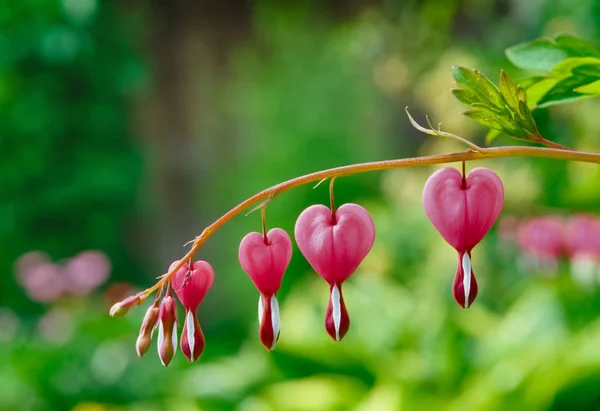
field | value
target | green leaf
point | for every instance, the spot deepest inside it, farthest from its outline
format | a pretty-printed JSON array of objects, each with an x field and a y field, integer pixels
[
  {"x": 502, "y": 108},
  {"x": 538, "y": 90},
  {"x": 565, "y": 67},
  {"x": 464, "y": 77},
  {"x": 536, "y": 55},
  {"x": 573, "y": 64},
  {"x": 484, "y": 119},
  {"x": 576, "y": 47},
  {"x": 465, "y": 96},
  {"x": 521, "y": 94},
  {"x": 509, "y": 90},
  {"x": 592, "y": 88},
  {"x": 564, "y": 90},
  {"x": 527, "y": 82},
  {"x": 492, "y": 92},
  {"x": 491, "y": 136},
  {"x": 587, "y": 70},
  {"x": 480, "y": 88}
]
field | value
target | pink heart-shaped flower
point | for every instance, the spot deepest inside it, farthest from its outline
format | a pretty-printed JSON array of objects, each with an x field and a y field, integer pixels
[
  {"x": 192, "y": 285},
  {"x": 463, "y": 215},
  {"x": 266, "y": 262},
  {"x": 335, "y": 247}
]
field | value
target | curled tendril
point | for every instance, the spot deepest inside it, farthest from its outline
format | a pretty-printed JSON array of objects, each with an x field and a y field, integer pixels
[{"x": 432, "y": 131}]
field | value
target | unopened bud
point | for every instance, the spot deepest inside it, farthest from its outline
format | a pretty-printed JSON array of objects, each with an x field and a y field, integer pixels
[
  {"x": 121, "y": 308},
  {"x": 145, "y": 338},
  {"x": 167, "y": 330}
]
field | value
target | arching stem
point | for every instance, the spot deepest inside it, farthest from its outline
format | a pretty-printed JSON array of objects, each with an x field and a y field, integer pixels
[{"x": 470, "y": 155}]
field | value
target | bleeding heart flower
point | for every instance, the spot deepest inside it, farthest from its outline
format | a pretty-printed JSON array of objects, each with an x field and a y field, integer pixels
[
  {"x": 463, "y": 210},
  {"x": 265, "y": 260},
  {"x": 335, "y": 244},
  {"x": 191, "y": 285}
]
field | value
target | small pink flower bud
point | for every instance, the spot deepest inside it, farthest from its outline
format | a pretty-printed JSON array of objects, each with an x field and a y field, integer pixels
[
  {"x": 167, "y": 330},
  {"x": 335, "y": 245},
  {"x": 121, "y": 308},
  {"x": 192, "y": 339},
  {"x": 145, "y": 338},
  {"x": 463, "y": 210}
]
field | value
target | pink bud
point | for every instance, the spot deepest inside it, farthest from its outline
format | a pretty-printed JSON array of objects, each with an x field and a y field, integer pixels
[
  {"x": 266, "y": 261},
  {"x": 335, "y": 245},
  {"x": 192, "y": 339},
  {"x": 268, "y": 319},
  {"x": 167, "y": 330},
  {"x": 145, "y": 337},
  {"x": 121, "y": 308},
  {"x": 463, "y": 211},
  {"x": 192, "y": 285}
]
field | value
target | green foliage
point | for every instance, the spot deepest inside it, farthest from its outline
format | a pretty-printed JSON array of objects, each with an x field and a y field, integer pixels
[
  {"x": 308, "y": 93},
  {"x": 536, "y": 55},
  {"x": 70, "y": 169},
  {"x": 502, "y": 109},
  {"x": 571, "y": 67}
]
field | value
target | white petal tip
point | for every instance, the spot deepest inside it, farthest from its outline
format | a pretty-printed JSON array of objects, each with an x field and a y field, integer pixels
[{"x": 336, "y": 310}]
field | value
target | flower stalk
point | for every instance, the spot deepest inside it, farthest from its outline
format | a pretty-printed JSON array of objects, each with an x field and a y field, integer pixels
[
  {"x": 470, "y": 155},
  {"x": 473, "y": 153}
]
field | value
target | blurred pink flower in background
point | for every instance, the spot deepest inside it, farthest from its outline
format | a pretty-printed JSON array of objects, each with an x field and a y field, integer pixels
[
  {"x": 56, "y": 326},
  {"x": 583, "y": 236},
  {"x": 542, "y": 241},
  {"x": 46, "y": 281},
  {"x": 545, "y": 240},
  {"x": 583, "y": 248},
  {"x": 508, "y": 228},
  {"x": 86, "y": 271}
]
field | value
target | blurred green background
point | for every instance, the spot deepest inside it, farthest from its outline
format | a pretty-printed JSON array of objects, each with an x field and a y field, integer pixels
[{"x": 127, "y": 127}]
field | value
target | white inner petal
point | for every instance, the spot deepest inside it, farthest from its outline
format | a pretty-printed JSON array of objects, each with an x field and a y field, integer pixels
[
  {"x": 191, "y": 325},
  {"x": 337, "y": 311},
  {"x": 260, "y": 309},
  {"x": 274, "y": 319},
  {"x": 466, "y": 266},
  {"x": 174, "y": 338},
  {"x": 161, "y": 340}
]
